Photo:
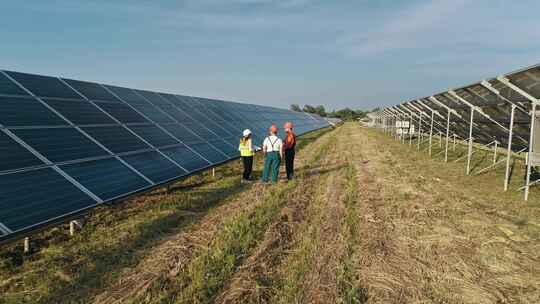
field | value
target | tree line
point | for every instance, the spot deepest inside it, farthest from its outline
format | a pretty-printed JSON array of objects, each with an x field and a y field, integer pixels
[{"x": 343, "y": 114}]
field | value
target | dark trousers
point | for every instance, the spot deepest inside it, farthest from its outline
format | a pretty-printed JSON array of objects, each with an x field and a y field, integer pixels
[
  {"x": 289, "y": 163},
  {"x": 248, "y": 166}
]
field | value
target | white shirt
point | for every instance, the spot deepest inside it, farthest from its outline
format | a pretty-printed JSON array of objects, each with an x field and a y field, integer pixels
[{"x": 272, "y": 143}]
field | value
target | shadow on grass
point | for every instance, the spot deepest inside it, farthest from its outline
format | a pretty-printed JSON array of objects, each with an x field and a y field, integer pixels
[{"x": 102, "y": 261}]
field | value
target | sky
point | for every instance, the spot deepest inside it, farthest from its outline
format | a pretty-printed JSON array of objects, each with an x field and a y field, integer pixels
[{"x": 358, "y": 53}]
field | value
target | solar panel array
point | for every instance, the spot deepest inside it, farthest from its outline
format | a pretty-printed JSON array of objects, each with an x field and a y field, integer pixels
[
  {"x": 492, "y": 101},
  {"x": 67, "y": 145}
]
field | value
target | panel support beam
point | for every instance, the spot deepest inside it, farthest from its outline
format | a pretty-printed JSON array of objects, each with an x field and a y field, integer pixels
[
  {"x": 469, "y": 152},
  {"x": 509, "y": 148},
  {"x": 26, "y": 245},
  {"x": 431, "y": 133},
  {"x": 531, "y": 142},
  {"x": 478, "y": 109},
  {"x": 447, "y": 134}
]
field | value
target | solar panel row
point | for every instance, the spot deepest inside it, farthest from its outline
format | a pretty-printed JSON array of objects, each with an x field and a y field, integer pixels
[
  {"x": 68, "y": 145},
  {"x": 491, "y": 102},
  {"x": 499, "y": 112}
]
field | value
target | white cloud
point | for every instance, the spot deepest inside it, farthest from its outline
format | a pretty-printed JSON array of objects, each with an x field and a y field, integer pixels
[{"x": 404, "y": 30}]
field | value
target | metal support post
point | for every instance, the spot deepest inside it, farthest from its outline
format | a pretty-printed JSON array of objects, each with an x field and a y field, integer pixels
[
  {"x": 469, "y": 153},
  {"x": 495, "y": 152},
  {"x": 454, "y": 146},
  {"x": 410, "y": 125},
  {"x": 447, "y": 133},
  {"x": 72, "y": 228},
  {"x": 213, "y": 172},
  {"x": 420, "y": 134},
  {"x": 431, "y": 134},
  {"x": 26, "y": 245},
  {"x": 509, "y": 149},
  {"x": 531, "y": 141}
]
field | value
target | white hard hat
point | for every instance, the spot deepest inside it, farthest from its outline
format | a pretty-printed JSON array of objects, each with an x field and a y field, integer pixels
[{"x": 246, "y": 132}]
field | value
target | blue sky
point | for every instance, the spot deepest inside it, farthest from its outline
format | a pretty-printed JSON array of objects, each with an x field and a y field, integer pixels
[{"x": 359, "y": 54}]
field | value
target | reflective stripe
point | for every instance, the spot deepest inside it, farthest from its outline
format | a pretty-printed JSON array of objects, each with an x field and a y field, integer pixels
[{"x": 5, "y": 229}]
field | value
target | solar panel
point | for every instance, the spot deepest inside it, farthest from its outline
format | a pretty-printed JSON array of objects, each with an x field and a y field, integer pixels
[
  {"x": 187, "y": 158},
  {"x": 14, "y": 112},
  {"x": 116, "y": 138},
  {"x": 60, "y": 144},
  {"x": 31, "y": 198},
  {"x": 14, "y": 156},
  {"x": 155, "y": 166},
  {"x": 68, "y": 145},
  {"x": 495, "y": 112},
  {"x": 80, "y": 112},
  {"x": 106, "y": 178},
  {"x": 122, "y": 112}
]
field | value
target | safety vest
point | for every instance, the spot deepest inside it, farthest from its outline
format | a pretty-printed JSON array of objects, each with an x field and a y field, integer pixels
[{"x": 245, "y": 148}]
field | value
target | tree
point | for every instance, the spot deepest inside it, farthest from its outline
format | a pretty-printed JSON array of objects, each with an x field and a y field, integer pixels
[
  {"x": 309, "y": 109},
  {"x": 320, "y": 110},
  {"x": 296, "y": 108}
]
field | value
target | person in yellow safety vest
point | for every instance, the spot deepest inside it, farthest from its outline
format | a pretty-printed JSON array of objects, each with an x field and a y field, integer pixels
[{"x": 247, "y": 150}]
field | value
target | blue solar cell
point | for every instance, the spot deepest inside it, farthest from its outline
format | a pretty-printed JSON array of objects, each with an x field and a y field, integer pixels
[
  {"x": 154, "y": 166},
  {"x": 218, "y": 130},
  {"x": 182, "y": 133},
  {"x": 226, "y": 148},
  {"x": 44, "y": 86},
  {"x": 79, "y": 112},
  {"x": 235, "y": 141},
  {"x": 60, "y": 144},
  {"x": 178, "y": 114},
  {"x": 153, "y": 97},
  {"x": 26, "y": 111},
  {"x": 127, "y": 95},
  {"x": 154, "y": 135},
  {"x": 91, "y": 90},
  {"x": 122, "y": 112},
  {"x": 209, "y": 152},
  {"x": 9, "y": 87},
  {"x": 106, "y": 178},
  {"x": 186, "y": 158},
  {"x": 14, "y": 156},
  {"x": 116, "y": 138},
  {"x": 201, "y": 130},
  {"x": 33, "y": 197},
  {"x": 152, "y": 113}
]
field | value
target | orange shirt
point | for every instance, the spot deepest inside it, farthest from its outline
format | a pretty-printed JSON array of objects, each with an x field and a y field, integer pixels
[{"x": 290, "y": 141}]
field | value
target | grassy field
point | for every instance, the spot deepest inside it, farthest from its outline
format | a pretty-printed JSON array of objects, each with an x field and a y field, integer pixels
[{"x": 368, "y": 220}]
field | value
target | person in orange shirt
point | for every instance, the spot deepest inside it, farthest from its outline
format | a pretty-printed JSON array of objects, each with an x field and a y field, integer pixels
[{"x": 289, "y": 144}]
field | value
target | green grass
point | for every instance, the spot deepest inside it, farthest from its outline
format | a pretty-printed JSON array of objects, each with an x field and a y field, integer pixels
[
  {"x": 349, "y": 289},
  {"x": 288, "y": 287},
  {"x": 206, "y": 274}
]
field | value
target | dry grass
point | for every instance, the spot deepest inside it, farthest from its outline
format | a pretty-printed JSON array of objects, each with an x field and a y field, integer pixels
[
  {"x": 432, "y": 235},
  {"x": 254, "y": 282}
]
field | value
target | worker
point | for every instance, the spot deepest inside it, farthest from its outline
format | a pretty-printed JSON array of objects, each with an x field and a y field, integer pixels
[
  {"x": 273, "y": 152},
  {"x": 247, "y": 150},
  {"x": 289, "y": 144}
]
